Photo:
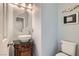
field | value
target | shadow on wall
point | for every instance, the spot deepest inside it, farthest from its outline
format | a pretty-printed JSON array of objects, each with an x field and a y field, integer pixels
[
  {"x": 11, "y": 50},
  {"x": 35, "y": 51},
  {"x": 77, "y": 50}
]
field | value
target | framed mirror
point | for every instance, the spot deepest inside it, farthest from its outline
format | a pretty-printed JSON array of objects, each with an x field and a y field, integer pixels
[
  {"x": 22, "y": 21},
  {"x": 20, "y": 24}
]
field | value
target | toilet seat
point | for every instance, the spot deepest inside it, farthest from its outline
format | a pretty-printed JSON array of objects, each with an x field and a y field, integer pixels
[{"x": 61, "y": 54}]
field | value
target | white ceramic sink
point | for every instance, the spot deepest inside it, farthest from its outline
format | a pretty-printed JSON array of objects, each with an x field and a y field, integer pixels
[{"x": 24, "y": 38}]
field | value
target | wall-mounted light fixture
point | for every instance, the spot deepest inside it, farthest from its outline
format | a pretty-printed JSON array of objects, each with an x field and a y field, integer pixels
[
  {"x": 23, "y": 5},
  {"x": 70, "y": 9}
]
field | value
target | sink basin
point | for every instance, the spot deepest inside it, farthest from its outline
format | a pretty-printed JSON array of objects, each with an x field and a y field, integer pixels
[
  {"x": 24, "y": 38},
  {"x": 27, "y": 36}
]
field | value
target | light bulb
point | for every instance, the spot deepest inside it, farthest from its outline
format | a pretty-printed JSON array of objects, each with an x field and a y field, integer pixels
[{"x": 29, "y": 6}]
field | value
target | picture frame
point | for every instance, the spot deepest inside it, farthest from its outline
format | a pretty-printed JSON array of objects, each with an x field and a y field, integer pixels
[{"x": 71, "y": 19}]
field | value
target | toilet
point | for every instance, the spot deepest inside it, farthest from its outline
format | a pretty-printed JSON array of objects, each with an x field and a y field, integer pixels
[{"x": 67, "y": 48}]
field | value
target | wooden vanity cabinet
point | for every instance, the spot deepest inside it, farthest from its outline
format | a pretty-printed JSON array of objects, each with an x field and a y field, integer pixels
[{"x": 23, "y": 49}]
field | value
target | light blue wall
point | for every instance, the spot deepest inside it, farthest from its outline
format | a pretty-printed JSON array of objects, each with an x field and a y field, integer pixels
[
  {"x": 36, "y": 25},
  {"x": 49, "y": 17},
  {"x": 69, "y": 32}
]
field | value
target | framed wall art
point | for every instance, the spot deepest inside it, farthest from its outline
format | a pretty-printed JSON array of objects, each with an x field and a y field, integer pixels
[{"x": 71, "y": 19}]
